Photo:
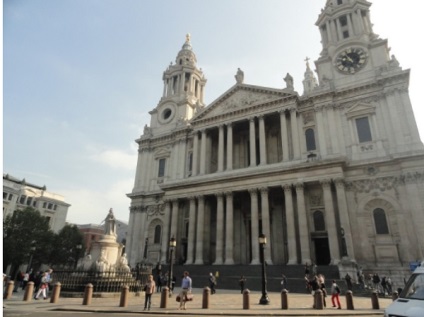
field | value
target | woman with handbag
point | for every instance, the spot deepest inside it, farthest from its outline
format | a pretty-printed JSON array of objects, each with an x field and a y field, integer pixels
[{"x": 149, "y": 289}]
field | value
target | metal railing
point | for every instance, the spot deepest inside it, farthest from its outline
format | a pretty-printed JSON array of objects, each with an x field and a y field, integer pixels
[{"x": 108, "y": 281}]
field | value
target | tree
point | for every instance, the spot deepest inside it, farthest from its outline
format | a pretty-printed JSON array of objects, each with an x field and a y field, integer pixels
[
  {"x": 65, "y": 247},
  {"x": 21, "y": 230}
]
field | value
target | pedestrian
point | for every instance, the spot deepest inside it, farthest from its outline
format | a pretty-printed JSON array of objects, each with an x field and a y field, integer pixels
[
  {"x": 173, "y": 281},
  {"x": 321, "y": 283},
  {"x": 149, "y": 289},
  {"x": 389, "y": 285},
  {"x": 212, "y": 283},
  {"x": 306, "y": 270},
  {"x": 284, "y": 282},
  {"x": 242, "y": 283},
  {"x": 25, "y": 280},
  {"x": 314, "y": 286},
  {"x": 348, "y": 280},
  {"x": 43, "y": 286},
  {"x": 376, "y": 281},
  {"x": 159, "y": 282},
  {"x": 185, "y": 290},
  {"x": 335, "y": 295},
  {"x": 49, "y": 280}
]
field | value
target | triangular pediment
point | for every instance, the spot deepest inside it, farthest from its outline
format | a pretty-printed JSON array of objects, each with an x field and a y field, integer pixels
[
  {"x": 242, "y": 96},
  {"x": 360, "y": 109}
]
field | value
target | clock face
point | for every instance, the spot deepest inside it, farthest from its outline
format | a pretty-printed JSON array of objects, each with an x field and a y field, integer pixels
[{"x": 351, "y": 60}]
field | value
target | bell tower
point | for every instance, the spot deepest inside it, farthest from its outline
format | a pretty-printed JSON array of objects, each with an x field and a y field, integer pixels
[
  {"x": 183, "y": 91},
  {"x": 350, "y": 48}
]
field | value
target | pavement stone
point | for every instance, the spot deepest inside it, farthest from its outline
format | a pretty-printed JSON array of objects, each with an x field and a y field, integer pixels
[{"x": 228, "y": 302}]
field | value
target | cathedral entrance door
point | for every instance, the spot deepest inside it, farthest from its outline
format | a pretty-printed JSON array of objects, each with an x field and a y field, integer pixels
[{"x": 322, "y": 251}]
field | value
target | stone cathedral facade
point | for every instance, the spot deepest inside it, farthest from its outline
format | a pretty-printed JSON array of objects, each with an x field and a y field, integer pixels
[{"x": 333, "y": 175}]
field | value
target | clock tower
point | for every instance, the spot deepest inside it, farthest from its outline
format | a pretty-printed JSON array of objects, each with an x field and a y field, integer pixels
[
  {"x": 351, "y": 51},
  {"x": 183, "y": 91}
]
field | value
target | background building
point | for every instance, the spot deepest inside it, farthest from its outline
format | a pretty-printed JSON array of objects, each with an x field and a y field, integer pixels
[
  {"x": 333, "y": 176},
  {"x": 18, "y": 194}
]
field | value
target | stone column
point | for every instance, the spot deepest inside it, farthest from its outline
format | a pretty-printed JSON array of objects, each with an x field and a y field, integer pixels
[
  {"x": 330, "y": 36},
  {"x": 229, "y": 146},
  {"x": 252, "y": 139},
  {"x": 330, "y": 222},
  {"x": 344, "y": 218},
  {"x": 334, "y": 135},
  {"x": 195, "y": 153},
  {"x": 266, "y": 227},
  {"x": 143, "y": 231},
  {"x": 359, "y": 21},
  {"x": 295, "y": 133},
  {"x": 219, "y": 228},
  {"x": 191, "y": 231},
  {"x": 321, "y": 131},
  {"x": 284, "y": 135},
  {"x": 339, "y": 29},
  {"x": 165, "y": 233},
  {"x": 255, "y": 225},
  {"x": 229, "y": 229},
  {"x": 221, "y": 148},
  {"x": 174, "y": 219},
  {"x": 131, "y": 234},
  {"x": 350, "y": 26},
  {"x": 291, "y": 234},
  {"x": 200, "y": 229},
  {"x": 262, "y": 140},
  {"x": 305, "y": 248},
  {"x": 203, "y": 153}
]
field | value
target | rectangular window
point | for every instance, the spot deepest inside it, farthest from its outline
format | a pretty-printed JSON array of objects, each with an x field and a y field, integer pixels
[
  {"x": 50, "y": 206},
  {"x": 44, "y": 205},
  {"x": 22, "y": 199},
  {"x": 29, "y": 201},
  {"x": 10, "y": 197},
  {"x": 54, "y": 207},
  {"x": 161, "y": 172},
  {"x": 4, "y": 195},
  {"x": 345, "y": 34},
  {"x": 343, "y": 20},
  {"x": 363, "y": 129},
  {"x": 339, "y": 2}
]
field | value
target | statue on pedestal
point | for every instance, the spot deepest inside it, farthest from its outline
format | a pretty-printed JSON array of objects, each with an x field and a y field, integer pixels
[{"x": 110, "y": 226}]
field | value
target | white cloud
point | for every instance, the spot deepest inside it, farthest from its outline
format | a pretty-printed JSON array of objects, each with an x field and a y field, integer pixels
[{"x": 116, "y": 158}]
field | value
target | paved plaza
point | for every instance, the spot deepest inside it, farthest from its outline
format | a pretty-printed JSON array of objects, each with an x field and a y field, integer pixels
[{"x": 228, "y": 302}]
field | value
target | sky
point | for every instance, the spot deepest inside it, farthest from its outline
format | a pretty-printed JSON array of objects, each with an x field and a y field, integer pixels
[{"x": 80, "y": 77}]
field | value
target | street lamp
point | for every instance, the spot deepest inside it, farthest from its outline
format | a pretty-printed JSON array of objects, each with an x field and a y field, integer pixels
[
  {"x": 145, "y": 249},
  {"x": 32, "y": 248},
  {"x": 262, "y": 242},
  {"x": 172, "y": 245}
]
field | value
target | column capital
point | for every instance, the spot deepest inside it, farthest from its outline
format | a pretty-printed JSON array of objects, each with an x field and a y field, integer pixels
[
  {"x": 252, "y": 119},
  {"x": 191, "y": 198},
  {"x": 228, "y": 194},
  {"x": 221, "y": 126},
  {"x": 318, "y": 108},
  {"x": 264, "y": 190},
  {"x": 339, "y": 181},
  {"x": 287, "y": 187},
  {"x": 219, "y": 195},
  {"x": 252, "y": 191},
  {"x": 229, "y": 124},
  {"x": 282, "y": 112},
  {"x": 325, "y": 183},
  {"x": 292, "y": 109},
  {"x": 299, "y": 186},
  {"x": 261, "y": 116}
]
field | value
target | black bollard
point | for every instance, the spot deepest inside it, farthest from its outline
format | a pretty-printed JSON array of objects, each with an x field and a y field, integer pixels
[
  {"x": 206, "y": 297},
  {"x": 164, "y": 297},
  {"x": 88, "y": 294},
  {"x": 349, "y": 300},
  {"x": 246, "y": 299},
  {"x": 284, "y": 299},
  {"x": 374, "y": 300},
  {"x": 319, "y": 299}
]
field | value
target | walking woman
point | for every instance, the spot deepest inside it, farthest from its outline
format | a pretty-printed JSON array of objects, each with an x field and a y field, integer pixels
[{"x": 149, "y": 289}]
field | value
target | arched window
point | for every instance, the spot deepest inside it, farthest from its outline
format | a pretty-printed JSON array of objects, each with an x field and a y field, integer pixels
[
  {"x": 158, "y": 231},
  {"x": 380, "y": 220},
  {"x": 319, "y": 222},
  {"x": 310, "y": 140}
]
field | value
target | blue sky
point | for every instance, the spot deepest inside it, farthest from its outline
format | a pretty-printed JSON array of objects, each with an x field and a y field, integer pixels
[{"x": 80, "y": 76}]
